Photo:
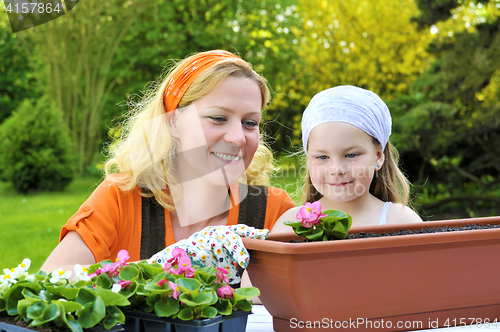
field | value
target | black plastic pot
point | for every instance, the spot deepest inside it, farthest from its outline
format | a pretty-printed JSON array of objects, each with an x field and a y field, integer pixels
[
  {"x": 6, "y": 327},
  {"x": 144, "y": 322}
]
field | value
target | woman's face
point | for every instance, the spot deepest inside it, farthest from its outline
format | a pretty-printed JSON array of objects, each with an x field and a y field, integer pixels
[
  {"x": 219, "y": 131},
  {"x": 342, "y": 160}
]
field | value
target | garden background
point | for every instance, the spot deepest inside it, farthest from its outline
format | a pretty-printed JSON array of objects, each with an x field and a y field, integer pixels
[{"x": 65, "y": 85}]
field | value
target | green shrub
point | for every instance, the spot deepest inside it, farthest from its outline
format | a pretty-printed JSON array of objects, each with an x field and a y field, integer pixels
[{"x": 35, "y": 149}]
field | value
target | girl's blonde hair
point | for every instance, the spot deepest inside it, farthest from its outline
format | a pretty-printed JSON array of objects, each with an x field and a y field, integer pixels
[
  {"x": 145, "y": 153},
  {"x": 389, "y": 183}
]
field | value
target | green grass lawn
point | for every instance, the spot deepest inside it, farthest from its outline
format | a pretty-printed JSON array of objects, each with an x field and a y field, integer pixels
[{"x": 30, "y": 224}]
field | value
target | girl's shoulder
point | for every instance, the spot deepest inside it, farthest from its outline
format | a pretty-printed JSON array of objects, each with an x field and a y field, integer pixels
[{"x": 401, "y": 214}]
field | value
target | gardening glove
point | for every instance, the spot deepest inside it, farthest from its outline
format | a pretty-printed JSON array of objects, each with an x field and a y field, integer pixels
[{"x": 218, "y": 246}]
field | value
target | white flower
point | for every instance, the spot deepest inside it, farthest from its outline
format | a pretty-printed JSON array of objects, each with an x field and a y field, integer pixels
[
  {"x": 60, "y": 276},
  {"x": 10, "y": 274},
  {"x": 116, "y": 288},
  {"x": 81, "y": 273},
  {"x": 24, "y": 266}
]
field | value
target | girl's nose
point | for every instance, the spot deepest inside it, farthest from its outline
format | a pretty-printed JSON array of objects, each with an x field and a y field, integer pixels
[
  {"x": 235, "y": 134},
  {"x": 337, "y": 168}
]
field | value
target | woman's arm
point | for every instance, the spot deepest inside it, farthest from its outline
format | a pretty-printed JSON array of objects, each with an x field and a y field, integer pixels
[{"x": 70, "y": 251}]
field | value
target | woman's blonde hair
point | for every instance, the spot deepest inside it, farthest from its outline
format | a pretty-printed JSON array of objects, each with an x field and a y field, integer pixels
[
  {"x": 389, "y": 183},
  {"x": 144, "y": 155}
]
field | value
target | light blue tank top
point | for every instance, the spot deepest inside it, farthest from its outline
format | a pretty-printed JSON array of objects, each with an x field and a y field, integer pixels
[{"x": 383, "y": 215}]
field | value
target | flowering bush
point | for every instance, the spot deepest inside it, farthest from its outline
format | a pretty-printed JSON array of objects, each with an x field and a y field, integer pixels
[
  {"x": 316, "y": 225},
  {"x": 98, "y": 294}
]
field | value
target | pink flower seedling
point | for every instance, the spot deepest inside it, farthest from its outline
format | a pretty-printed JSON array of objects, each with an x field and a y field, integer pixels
[{"x": 310, "y": 214}]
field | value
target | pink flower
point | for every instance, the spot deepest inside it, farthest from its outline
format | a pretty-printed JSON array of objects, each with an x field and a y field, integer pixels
[
  {"x": 105, "y": 269},
  {"x": 177, "y": 253},
  {"x": 124, "y": 283},
  {"x": 310, "y": 214},
  {"x": 162, "y": 282},
  {"x": 221, "y": 274},
  {"x": 175, "y": 288},
  {"x": 225, "y": 292},
  {"x": 184, "y": 266}
]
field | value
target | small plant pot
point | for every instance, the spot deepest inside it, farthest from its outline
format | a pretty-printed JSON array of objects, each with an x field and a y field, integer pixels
[
  {"x": 144, "y": 322},
  {"x": 438, "y": 279}
]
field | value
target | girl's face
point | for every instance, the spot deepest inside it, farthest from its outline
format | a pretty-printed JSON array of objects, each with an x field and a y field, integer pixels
[
  {"x": 342, "y": 160},
  {"x": 220, "y": 131}
]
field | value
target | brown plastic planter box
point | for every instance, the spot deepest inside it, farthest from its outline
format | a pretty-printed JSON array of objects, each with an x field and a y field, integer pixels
[{"x": 395, "y": 283}]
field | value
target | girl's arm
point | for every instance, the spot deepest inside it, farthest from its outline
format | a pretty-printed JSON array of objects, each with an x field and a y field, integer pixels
[
  {"x": 290, "y": 215},
  {"x": 70, "y": 251}
]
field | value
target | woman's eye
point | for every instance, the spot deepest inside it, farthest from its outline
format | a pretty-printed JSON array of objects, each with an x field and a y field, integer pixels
[
  {"x": 217, "y": 118},
  {"x": 351, "y": 155},
  {"x": 250, "y": 123}
]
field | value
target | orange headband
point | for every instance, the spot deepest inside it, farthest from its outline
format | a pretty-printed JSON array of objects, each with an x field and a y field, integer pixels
[{"x": 185, "y": 75}]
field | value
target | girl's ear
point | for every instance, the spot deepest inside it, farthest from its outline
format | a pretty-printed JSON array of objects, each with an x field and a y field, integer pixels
[
  {"x": 172, "y": 120},
  {"x": 380, "y": 157}
]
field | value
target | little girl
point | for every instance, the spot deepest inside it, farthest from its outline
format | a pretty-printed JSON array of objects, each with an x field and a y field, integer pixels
[{"x": 351, "y": 166}]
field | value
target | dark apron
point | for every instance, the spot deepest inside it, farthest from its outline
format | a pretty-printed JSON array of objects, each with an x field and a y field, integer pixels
[{"x": 252, "y": 212}]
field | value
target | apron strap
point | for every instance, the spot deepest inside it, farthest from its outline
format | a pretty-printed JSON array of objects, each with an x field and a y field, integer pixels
[
  {"x": 153, "y": 227},
  {"x": 252, "y": 210}
]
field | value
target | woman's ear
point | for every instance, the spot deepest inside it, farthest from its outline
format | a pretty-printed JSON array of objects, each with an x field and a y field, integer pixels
[
  {"x": 380, "y": 157},
  {"x": 172, "y": 121}
]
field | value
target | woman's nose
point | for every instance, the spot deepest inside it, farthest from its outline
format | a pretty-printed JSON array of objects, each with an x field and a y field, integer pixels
[{"x": 235, "y": 134}]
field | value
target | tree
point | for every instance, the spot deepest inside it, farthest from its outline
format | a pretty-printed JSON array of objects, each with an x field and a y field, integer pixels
[{"x": 447, "y": 127}]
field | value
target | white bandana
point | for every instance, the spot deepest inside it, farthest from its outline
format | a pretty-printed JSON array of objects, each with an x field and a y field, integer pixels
[{"x": 350, "y": 104}]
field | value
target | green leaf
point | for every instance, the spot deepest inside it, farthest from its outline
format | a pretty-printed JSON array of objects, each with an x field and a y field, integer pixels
[
  {"x": 111, "y": 298},
  {"x": 167, "y": 309},
  {"x": 205, "y": 297},
  {"x": 246, "y": 293},
  {"x": 113, "y": 316},
  {"x": 224, "y": 307},
  {"x": 129, "y": 272},
  {"x": 293, "y": 224},
  {"x": 66, "y": 292},
  {"x": 316, "y": 234},
  {"x": 69, "y": 306},
  {"x": 73, "y": 324},
  {"x": 92, "y": 313},
  {"x": 185, "y": 314},
  {"x": 188, "y": 285},
  {"x": 15, "y": 294},
  {"x": 86, "y": 295},
  {"x": 34, "y": 310},
  {"x": 208, "y": 312},
  {"x": 104, "y": 281},
  {"x": 150, "y": 270},
  {"x": 50, "y": 313},
  {"x": 243, "y": 305},
  {"x": 205, "y": 278}
]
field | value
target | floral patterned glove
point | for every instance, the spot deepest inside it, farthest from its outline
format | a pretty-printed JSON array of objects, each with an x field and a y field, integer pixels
[{"x": 219, "y": 246}]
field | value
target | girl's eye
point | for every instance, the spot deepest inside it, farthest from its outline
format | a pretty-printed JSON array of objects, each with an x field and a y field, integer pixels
[
  {"x": 250, "y": 123},
  {"x": 322, "y": 157},
  {"x": 351, "y": 155},
  {"x": 219, "y": 119}
]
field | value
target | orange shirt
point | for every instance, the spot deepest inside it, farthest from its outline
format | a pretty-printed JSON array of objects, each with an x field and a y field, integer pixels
[{"x": 110, "y": 220}]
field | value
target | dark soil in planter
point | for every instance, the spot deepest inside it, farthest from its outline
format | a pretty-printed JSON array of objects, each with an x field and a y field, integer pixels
[{"x": 363, "y": 235}]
